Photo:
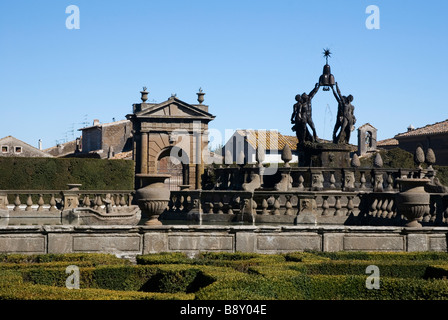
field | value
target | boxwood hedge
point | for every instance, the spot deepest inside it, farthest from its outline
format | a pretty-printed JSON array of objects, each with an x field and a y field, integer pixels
[{"x": 228, "y": 276}]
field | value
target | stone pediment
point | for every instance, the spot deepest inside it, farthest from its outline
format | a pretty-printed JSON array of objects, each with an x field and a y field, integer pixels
[{"x": 174, "y": 108}]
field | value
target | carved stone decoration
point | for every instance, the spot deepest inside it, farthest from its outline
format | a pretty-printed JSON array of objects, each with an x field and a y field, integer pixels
[
  {"x": 200, "y": 96},
  {"x": 317, "y": 180},
  {"x": 430, "y": 158},
  {"x": 378, "y": 181},
  {"x": 286, "y": 155},
  {"x": 413, "y": 201},
  {"x": 355, "y": 163},
  {"x": 255, "y": 182},
  {"x": 152, "y": 197},
  {"x": 285, "y": 183},
  {"x": 378, "y": 161},
  {"x": 349, "y": 180},
  {"x": 144, "y": 95},
  {"x": 419, "y": 157},
  {"x": 306, "y": 213}
]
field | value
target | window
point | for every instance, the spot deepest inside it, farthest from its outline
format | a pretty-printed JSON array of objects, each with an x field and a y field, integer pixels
[
  {"x": 17, "y": 149},
  {"x": 5, "y": 149}
]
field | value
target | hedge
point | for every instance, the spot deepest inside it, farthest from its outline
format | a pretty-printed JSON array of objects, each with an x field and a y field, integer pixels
[
  {"x": 162, "y": 278},
  {"x": 228, "y": 276},
  {"x": 55, "y": 173}
]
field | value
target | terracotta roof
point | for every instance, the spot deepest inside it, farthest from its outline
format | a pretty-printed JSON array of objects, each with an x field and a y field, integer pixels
[
  {"x": 127, "y": 155},
  {"x": 436, "y": 128},
  {"x": 387, "y": 142},
  {"x": 269, "y": 139}
]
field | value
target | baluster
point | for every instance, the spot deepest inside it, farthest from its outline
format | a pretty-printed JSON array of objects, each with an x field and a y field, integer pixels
[
  {"x": 338, "y": 206},
  {"x": 17, "y": 203},
  {"x": 390, "y": 208},
  {"x": 363, "y": 180},
  {"x": 384, "y": 206},
  {"x": 116, "y": 199},
  {"x": 276, "y": 206},
  {"x": 390, "y": 182},
  {"x": 373, "y": 207},
  {"x": 230, "y": 204},
  {"x": 186, "y": 203},
  {"x": 350, "y": 205},
  {"x": 29, "y": 203},
  {"x": 41, "y": 203},
  {"x": 288, "y": 206},
  {"x": 264, "y": 207},
  {"x": 220, "y": 207},
  {"x": 87, "y": 201},
  {"x": 301, "y": 187},
  {"x": 332, "y": 181},
  {"x": 378, "y": 208},
  {"x": 98, "y": 202},
  {"x": 53, "y": 203},
  {"x": 210, "y": 207},
  {"x": 178, "y": 203},
  {"x": 325, "y": 206},
  {"x": 237, "y": 203},
  {"x": 123, "y": 200}
]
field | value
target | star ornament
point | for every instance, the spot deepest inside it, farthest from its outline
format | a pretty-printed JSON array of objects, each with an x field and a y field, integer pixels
[{"x": 327, "y": 54}]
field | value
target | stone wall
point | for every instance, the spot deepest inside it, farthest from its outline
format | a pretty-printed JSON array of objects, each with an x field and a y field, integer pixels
[{"x": 128, "y": 241}]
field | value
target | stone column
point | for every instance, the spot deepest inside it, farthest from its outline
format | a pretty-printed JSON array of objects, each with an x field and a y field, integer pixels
[{"x": 144, "y": 153}]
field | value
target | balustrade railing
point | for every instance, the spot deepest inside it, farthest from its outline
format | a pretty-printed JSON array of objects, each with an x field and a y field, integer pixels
[
  {"x": 315, "y": 178},
  {"x": 57, "y": 200}
]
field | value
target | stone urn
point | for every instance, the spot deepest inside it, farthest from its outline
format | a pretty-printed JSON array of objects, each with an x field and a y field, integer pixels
[
  {"x": 413, "y": 201},
  {"x": 152, "y": 197}
]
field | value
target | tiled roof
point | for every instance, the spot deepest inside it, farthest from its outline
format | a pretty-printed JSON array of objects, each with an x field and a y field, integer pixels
[
  {"x": 436, "y": 128},
  {"x": 127, "y": 155},
  {"x": 387, "y": 142},
  {"x": 269, "y": 139}
]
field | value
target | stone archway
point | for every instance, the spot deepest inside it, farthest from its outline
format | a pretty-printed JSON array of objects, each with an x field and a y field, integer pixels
[{"x": 174, "y": 161}]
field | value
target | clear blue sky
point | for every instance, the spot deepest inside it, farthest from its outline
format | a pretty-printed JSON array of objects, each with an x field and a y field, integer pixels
[{"x": 250, "y": 57}]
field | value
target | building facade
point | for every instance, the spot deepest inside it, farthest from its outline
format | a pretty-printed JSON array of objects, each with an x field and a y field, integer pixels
[
  {"x": 13, "y": 147},
  {"x": 107, "y": 139},
  {"x": 170, "y": 138}
]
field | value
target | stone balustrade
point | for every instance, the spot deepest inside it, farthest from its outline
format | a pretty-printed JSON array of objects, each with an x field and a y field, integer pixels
[
  {"x": 358, "y": 207},
  {"x": 57, "y": 200},
  {"x": 311, "y": 178}
]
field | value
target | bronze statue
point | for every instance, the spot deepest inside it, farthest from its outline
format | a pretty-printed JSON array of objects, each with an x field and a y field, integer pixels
[
  {"x": 302, "y": 116},
  {"x": 345, "y": 118}
]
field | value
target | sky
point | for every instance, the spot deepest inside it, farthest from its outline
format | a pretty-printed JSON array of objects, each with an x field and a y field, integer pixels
[{"x": 250, "y": 58}]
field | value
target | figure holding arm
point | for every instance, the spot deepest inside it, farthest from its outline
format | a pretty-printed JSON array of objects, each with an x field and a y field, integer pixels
[{"x": 340, "y": 116}]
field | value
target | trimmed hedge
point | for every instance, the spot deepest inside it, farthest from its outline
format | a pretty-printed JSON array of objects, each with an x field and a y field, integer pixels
[
  {"x": 56, "y": 173},
  {"x": 228, "y": 276}
]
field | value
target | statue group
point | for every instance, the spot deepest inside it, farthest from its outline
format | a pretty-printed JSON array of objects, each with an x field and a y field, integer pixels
[{"x": 302, "y": 112}]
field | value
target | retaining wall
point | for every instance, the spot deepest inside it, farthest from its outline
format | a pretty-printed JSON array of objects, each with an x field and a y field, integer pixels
[{"x": 129, "y": 241}]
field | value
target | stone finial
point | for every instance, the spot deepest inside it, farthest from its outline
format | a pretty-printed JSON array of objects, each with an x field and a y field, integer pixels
[
  {"x": 355, "y": 163},
  {"x": 378, "y": 161},
  {"x": 144, "y": 94},
  {"x": 200, "y": 96},
  {"x": 419, "y": 157},
  {"x": 430, "y": 158},
  {"x": 286, "y": 155}
]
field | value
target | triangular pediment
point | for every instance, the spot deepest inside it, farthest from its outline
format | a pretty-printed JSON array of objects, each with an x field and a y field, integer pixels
[{"x": 174, "y": 108}]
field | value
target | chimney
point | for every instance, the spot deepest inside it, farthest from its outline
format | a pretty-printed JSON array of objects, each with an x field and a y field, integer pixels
[{"x": 96, "y": 122}]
